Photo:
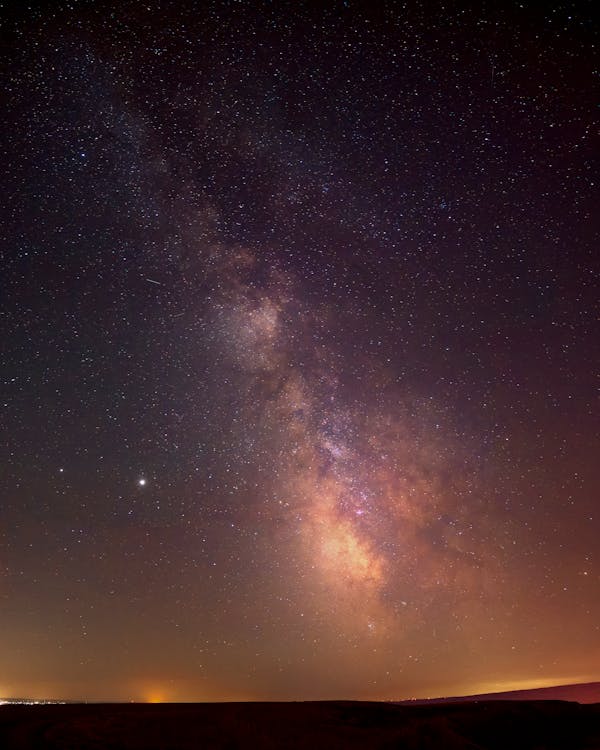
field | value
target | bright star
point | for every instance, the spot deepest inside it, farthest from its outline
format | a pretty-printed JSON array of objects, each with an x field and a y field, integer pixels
[{"x": 142, "y": 482}]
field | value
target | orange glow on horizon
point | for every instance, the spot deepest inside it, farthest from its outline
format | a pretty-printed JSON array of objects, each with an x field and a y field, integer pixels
[{"x": 155, "y": 694}]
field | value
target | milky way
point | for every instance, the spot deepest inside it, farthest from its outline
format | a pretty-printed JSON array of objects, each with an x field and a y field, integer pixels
[
  {"x": 299, "y": 345},
  {"x": 373, "y": 491}
]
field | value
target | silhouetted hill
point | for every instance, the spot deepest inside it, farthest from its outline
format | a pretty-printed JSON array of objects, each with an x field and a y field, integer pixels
[{"x": 587, "y": 692}]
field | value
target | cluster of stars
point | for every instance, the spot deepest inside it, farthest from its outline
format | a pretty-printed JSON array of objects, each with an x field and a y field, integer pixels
[{"x": 298, "y": 395}]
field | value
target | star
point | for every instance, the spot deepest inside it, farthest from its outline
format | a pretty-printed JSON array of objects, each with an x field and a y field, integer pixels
[{"x": 333, "y": 289}]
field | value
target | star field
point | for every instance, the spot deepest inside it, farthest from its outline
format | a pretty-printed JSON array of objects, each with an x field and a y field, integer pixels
[{"x": 300, "y": 348}]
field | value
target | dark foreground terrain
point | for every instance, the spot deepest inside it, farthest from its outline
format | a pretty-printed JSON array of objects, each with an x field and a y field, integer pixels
[{"x": 510, "y": 725}]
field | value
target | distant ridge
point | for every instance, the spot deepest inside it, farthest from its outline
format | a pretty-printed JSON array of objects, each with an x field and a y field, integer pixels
[{"x": 586, "y": 692}]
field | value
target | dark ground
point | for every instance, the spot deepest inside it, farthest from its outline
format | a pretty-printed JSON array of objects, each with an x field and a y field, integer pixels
[{"x": 510, "y": 725}]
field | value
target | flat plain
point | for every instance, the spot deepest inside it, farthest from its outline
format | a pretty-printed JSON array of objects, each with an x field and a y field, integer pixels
[{"x": 479, "y": 725}]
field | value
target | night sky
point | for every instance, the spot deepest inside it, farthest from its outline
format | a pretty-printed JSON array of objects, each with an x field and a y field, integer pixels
[{"x": 299, "y": 350}]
